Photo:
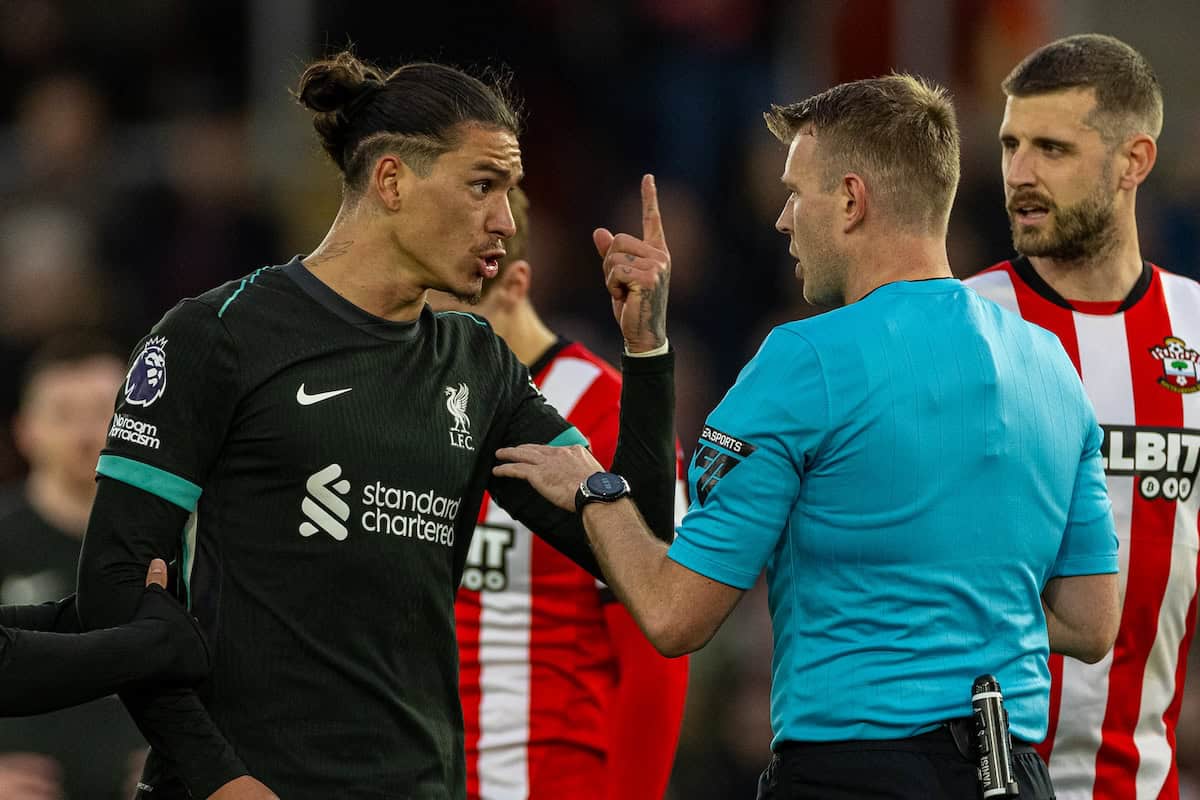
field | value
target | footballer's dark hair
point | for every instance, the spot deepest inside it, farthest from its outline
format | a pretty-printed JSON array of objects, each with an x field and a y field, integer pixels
[
  {"x": 1128, "y": 96},
  {"x": 416, "y": 111},
  {"x": 898, "y": 132}
]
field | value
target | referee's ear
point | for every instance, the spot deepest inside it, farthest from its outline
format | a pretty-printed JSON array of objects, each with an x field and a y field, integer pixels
[{"x": 853, "y": 196}]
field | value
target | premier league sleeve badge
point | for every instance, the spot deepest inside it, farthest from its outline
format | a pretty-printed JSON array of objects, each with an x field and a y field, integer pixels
[{"x": 147, "y": 378}]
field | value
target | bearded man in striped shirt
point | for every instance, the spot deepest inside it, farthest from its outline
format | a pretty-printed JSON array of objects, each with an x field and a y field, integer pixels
[{"x": 1078, "y": 138}]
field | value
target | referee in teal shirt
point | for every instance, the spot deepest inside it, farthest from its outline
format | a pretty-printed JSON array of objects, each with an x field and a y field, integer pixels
[{"x": 918, "y": 471}]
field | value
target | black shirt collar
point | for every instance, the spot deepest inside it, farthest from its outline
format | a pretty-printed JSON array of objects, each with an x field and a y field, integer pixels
[
  {"x": 1024, "y": 268},
  {"x": 315, "y": 288}
]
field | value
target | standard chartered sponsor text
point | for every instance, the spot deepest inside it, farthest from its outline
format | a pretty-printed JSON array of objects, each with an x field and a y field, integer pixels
[
  {"x": 426, "y": 516},
  {"x": 134, "y": 431}
]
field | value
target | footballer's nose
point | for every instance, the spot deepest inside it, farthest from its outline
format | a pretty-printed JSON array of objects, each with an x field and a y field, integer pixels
[
  {"x": 1018, "y": 169},
  {"x": 502, "y": 223}
]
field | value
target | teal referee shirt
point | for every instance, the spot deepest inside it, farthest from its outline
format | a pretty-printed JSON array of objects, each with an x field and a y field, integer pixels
[{"x": 911, "y": 470}]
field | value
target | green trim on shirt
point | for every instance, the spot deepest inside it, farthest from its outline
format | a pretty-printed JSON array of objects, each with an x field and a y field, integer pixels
[
  {"x": 249, "y": 279},
  {"x": 160, "y": 483},
  {"x": 473, "y": 317},
  {"x": 569, "y": 437}
]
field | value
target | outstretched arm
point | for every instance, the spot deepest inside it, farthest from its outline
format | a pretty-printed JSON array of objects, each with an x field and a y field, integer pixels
[
  {"x": 679, "y": 610},
  {"x": 46, "y": 664}
]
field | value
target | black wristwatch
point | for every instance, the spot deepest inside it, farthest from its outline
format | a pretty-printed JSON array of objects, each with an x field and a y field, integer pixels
[{"x": 600, "y": 487}]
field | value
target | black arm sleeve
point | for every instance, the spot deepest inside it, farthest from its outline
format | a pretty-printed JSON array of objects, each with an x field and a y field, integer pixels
[
  {"x": 646, "y": 444},
  {"x": 645, "y": 456},
  {"x": 46, "y": 664},
  {"x": 58, "y": 616},
  {"x": 128, "y": 528}
]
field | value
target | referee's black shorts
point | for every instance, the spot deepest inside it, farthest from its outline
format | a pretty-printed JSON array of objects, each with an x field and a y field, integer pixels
[{"x": 925, "y": 767}]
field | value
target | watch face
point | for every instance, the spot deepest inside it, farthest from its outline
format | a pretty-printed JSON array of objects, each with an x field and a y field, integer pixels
[{"x": 605, "y": 484}]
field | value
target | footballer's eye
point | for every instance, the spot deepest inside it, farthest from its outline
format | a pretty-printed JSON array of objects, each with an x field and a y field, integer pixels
[{"x": 482, "y": 187}]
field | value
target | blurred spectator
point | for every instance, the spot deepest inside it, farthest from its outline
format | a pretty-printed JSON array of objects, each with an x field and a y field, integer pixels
[
  {"x": 48, "y": 276},
  {"x": 61, "y": 127},
  {"x": 48, "y": 282},
  {"x": 66, "y": 403},
  {"x": 203, "y": 224},
  {"x": 31, "y": 34}
]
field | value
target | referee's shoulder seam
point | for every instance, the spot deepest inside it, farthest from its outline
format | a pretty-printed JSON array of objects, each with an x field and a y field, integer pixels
[{"x": 816, "y": 351}]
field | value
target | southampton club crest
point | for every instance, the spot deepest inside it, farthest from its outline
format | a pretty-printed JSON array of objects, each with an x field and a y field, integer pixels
[
  {"x": 1180, "y": 366},
  {"x": 147, "y": 378},
  {"x": 456, "y": 404}
]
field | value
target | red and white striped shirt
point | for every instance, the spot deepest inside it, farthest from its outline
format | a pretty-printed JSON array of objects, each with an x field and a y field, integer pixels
[
  {"x": 1112, "y": 724},
  {"x": 540, "y": 656}
]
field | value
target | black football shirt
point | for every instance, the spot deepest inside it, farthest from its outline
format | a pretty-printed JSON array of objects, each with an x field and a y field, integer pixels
[{"x": 333, "y": 463}]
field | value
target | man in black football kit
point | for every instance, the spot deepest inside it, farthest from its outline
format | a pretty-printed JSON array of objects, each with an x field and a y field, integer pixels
[
  {"x": 314, "y": 443},
  {"x": 47, "y": 664}
]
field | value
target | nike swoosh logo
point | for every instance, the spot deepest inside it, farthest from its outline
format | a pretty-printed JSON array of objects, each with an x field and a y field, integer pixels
[{"x": 306, "y": 399}]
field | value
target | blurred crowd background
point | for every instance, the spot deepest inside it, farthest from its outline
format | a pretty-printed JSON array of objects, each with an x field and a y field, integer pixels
[{"x": 150, "y": 149}]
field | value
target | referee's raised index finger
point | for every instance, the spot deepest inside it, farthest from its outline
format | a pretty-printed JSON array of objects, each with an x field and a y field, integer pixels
[{"x": 652, "y": 227}]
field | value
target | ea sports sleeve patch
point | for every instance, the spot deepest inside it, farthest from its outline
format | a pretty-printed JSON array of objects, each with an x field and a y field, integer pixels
[{"x": 716, "y": 456}]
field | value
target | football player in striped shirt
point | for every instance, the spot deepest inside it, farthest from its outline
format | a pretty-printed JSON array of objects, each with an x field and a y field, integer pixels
[
  {"x": 1078, "y": 138},
  {"x": 562, "y": 694}
]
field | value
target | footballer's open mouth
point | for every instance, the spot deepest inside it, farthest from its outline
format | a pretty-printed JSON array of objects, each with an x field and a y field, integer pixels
[
  {"x": 489, "y": 263},
  {"x": 1029, "y": 212}
]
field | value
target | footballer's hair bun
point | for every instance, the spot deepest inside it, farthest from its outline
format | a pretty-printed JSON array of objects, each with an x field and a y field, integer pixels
[
  {"x": 414, "y": 111},
  {"x": 336, "y": 88},
  {"x": 333, "y": 84}
]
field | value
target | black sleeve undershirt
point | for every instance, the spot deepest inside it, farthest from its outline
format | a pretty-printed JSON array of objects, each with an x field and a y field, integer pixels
[
  {"x": 58, "y": 616},
  {"x": 645, "y": 456},
  {"x": 47, "y": 664},
  {"x": 127, "y": 529}
]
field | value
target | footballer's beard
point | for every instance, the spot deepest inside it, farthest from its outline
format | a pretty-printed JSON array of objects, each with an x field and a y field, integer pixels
[
  {"x": 1079, "y": 232},
  {"x": 469, "y": 299},
  {"x": 466, "y": 296}
]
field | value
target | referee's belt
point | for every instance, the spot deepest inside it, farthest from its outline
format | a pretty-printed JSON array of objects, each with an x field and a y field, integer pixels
[{"x": 953, "y": 736}]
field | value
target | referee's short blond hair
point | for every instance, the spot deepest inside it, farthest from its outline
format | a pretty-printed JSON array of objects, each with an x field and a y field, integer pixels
[{"x": 899, "y": 133}]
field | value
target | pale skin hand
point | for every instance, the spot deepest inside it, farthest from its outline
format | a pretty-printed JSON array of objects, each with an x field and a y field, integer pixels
[
  {"x": 555, "y": 472},
  {"x": 637, "y": 273}
]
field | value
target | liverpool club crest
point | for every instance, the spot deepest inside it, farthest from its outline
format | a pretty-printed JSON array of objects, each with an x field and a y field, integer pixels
[{"x": 1181, "y": 365}]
